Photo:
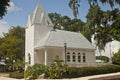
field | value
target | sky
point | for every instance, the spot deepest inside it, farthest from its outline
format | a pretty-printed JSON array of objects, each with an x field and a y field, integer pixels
[{"x": 19, "y": 9}]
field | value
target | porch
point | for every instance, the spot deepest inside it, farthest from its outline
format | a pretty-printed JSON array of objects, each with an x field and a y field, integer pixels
[{"x": 46, "y": 55}]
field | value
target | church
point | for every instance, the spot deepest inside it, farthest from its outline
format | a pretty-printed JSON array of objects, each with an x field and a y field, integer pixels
[{"x": 43, "y": 44}]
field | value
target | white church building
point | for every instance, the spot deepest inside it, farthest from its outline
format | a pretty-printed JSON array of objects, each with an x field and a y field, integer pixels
[{"x": 43, "y": 45}]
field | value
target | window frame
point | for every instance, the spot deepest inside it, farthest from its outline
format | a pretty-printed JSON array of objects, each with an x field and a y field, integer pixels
[
  {"x": 79, "y": 57},
  {"x": 68, "y": 57},
  {"x": 74, "y": 57},
  {"x": 84, "y": 58}
]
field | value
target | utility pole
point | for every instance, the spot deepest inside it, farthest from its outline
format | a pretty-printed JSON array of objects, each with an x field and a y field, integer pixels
[{"x": 65, "y": 46}]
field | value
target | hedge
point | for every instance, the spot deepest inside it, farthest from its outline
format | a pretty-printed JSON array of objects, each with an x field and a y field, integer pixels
[
  {"x": 74, "y": 72},
  {"x": 17, "y": 75},
  {"x": 60, "y": 71}
]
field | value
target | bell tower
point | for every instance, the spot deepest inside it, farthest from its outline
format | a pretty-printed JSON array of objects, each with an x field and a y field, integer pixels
[{"x": 37, "y": 27}]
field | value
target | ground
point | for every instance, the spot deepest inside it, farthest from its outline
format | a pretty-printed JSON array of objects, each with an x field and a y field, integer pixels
[{"x": 111, "y": 76}]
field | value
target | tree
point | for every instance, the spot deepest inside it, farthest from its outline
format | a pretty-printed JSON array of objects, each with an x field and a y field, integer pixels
[
  {"x": 116, "y": 58},
  {"x": 3, "y": 7},
  {"x": 114, "y": 29},
  {"x": 99, "y": 22},
  {"x": 104, "y": 25},
  {"x": 13, "y": 45},
  {"x": 56, "y": 19},
  {"x": 66, "y": 23},
  {"x": 75, "y": 4}
]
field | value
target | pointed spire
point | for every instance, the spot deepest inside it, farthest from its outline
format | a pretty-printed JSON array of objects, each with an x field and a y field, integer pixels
[{"x": 40, "y": 16}]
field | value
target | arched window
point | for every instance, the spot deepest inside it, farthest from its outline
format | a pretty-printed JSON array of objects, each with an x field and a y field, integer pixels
[
  {"x": 68, "y": 57},
  {"x": 79, "y": 57},
  {"x": 74, "y": 57},
  {"x": 84, "y": 57},
  {"x": 29, "y": 58}
]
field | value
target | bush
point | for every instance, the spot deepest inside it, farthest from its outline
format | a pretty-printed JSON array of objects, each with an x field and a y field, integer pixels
[
  {"x": 56, "y": 70},
  {"x": 74, "y": 72},
  {"x": 2, "y": 68},
  {"x": 116, "y": 58},
  {"x": 17, "y": 74},
  {"x": 34, "y": 71},
  {"x": 103, "y": 58}
]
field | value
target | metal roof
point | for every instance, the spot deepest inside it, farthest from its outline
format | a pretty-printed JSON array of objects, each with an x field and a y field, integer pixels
[{"x": 59, "y": 37}]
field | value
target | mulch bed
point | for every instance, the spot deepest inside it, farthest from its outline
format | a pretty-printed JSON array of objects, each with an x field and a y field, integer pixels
[{"x": 4, "y": 74}]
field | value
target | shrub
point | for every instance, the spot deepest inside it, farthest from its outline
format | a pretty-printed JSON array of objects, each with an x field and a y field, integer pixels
[
  {"x": 17, "y": 74},
  {"x": 103, "y": 58},
  {"x": 74, "y": 72},
  {"x": 109, "y": 69},
  {"x": 116, "y": 58},
  {"x": 34, "y": 71},
  {"x": 19, "y": 65},
  {"x": 56, "y": 70}
]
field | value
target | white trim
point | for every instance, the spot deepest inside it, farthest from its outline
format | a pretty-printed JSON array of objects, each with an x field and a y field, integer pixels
[{"x": 45, "y": 57}]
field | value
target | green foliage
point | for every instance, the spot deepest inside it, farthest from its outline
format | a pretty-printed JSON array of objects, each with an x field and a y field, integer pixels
[
  {"x": 53, "y": 71},
  {"x": 3, "y": 7},
  {"x": 2, "y": 68},
  {"x": 56, "y": 70},
  {"x": 66, "y": 23},
  {"x": 32, "y": 72},
  {"x": 74, "y": 72},
  {"x": 98, "y": 22},
  {"x": 114, "y": 29},
  {"x": 12, "y": 45},
  {"x": 17, "y": 75},
  {"x": 104, "y": 58},
  {"x": 19, "y": 65},
  {"x": 103, "y": 25},
  {"x": 75, "y": 4},
  {"x": 82, "y": 71},
  {"x": 116, "y": 58}
]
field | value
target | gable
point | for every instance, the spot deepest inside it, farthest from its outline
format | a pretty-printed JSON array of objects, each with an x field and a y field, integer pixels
[{"x": 40, "y": 16}]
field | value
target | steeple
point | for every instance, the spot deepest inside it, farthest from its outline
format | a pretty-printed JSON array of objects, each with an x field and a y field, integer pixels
[{"x": 40, "y": 16}]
